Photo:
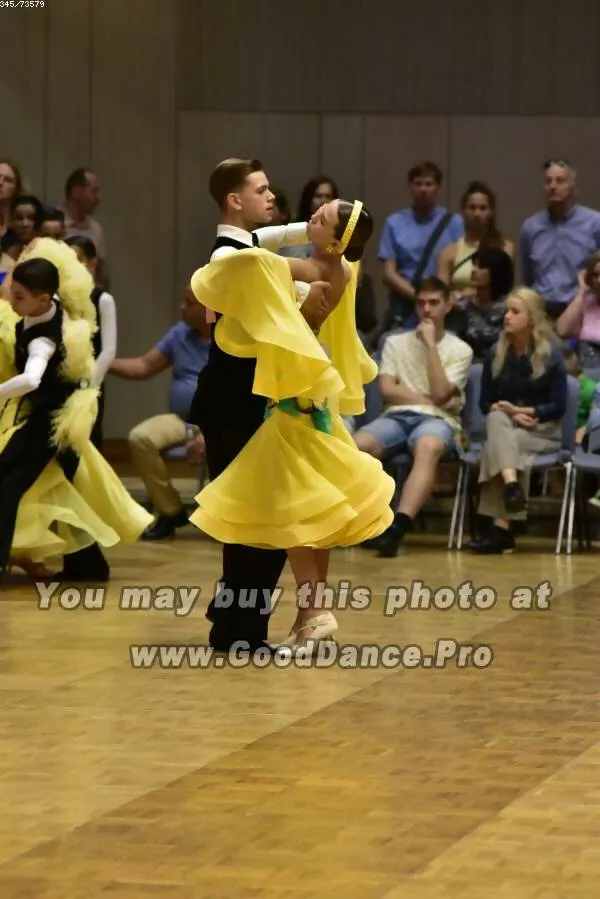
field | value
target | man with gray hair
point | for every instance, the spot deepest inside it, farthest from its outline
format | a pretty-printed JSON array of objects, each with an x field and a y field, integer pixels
[{"x": 557, "y": 242}]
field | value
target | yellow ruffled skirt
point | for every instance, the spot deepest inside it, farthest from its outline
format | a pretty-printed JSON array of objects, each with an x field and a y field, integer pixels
[
  {"x": 56, "y": 517},
  {"x": 293, "y": 485}
]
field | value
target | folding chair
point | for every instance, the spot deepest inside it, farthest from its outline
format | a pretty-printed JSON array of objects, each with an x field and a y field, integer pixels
[{"x": 560, "y": 458}]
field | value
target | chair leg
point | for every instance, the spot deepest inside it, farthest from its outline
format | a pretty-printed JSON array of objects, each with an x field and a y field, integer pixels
[
  {"x": 455, "y": 506},
  {"x": 545, "y": 483},
  {"x": 563, "y": 507},
  {"x": 571, "y": 513},
  {"x": 463, "y": 508}
]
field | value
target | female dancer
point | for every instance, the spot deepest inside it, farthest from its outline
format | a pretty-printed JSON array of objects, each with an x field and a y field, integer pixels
[
  {"x": 59, "y": 496},
  {"x": 300, "y": 483}
]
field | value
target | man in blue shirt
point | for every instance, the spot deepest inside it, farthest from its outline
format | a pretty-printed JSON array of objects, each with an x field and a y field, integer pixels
[
  {"x": 557, "y": 243},
  {"x": 184, "y": 349},
  {"x": 405, "y": 238}
]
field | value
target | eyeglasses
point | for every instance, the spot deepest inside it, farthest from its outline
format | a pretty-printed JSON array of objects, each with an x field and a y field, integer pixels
[{"x": 563, "y": 163}]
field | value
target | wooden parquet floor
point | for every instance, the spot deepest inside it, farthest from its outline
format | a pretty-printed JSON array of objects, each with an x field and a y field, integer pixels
[{"x": 302, "y": 782}]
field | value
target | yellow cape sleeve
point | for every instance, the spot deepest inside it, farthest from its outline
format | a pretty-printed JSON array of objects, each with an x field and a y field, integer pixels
[
  {"x": 254, "y": 292},
  {"x": 348, "y": 354}
]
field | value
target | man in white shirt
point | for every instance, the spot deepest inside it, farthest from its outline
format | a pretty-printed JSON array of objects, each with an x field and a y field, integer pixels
[
  {"x": 422, "y": 378},
  {"x": 225, "y": 408}
]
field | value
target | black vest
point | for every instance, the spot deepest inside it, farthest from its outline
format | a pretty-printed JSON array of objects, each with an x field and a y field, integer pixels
[
  {"x": 53, "y": 390},
  {"x": 97, "y": 338},
  {"x": 224, "y": 392}
]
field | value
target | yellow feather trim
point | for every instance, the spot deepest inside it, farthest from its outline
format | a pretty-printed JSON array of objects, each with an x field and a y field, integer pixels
[
  {"x": 72, "y": 424},
  {"x": 79, "y": 363},
  {"x": 8, "y": 320},
  {"x": 75, "y": 282}
]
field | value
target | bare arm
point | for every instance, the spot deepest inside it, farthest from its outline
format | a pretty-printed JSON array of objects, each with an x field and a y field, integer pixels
[
  {"x": 396, "y": 282},
  {"x": 440, "y": 388},
  {"x": 140, "y": 368},
  {"x": 569, "y": 323},
  {"x": 303, "y": 270},
  {"x": 445, "y": 261},
  {"x": 394, "y": 394},
  {"x": 509, "y": 248}
]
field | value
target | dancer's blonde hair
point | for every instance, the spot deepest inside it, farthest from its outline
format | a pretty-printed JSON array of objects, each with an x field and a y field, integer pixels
[{"x": 541, "y": 334}]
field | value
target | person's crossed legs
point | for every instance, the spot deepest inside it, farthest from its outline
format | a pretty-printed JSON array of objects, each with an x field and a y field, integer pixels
[{"x": 428, "y": 439}]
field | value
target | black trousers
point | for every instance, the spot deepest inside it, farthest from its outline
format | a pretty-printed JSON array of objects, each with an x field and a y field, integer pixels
[
  {"x": 22, "y": 461},
  {"x": 244, "y": 567}
]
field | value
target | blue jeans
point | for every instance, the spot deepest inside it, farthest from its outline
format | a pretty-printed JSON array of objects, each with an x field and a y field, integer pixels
[{"x": 398, "y": 432}]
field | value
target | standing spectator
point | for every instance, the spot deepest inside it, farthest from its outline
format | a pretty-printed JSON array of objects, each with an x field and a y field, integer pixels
[
  {"x": 456, "y": 261},
  {"x": 11, "y": 186},
  {"x": 411, "y": 242},
  {"x": 557, "y": 242},
  {"x": 82, "y": 196}
]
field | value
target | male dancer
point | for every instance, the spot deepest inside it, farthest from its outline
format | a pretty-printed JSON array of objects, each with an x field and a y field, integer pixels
[{"x": 227, "y": 411}]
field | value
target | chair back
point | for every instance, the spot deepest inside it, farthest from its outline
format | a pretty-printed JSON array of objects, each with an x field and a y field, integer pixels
[{"x": 473, "y": 420}]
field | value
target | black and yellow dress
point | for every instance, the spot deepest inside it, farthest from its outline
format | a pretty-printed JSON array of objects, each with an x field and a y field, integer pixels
[
  {"x": 59, "y": 495},
  {"x": 300, "y": 480}
]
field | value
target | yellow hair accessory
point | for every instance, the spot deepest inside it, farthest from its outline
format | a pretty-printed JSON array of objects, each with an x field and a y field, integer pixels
[{"x": 349, "y": 231}]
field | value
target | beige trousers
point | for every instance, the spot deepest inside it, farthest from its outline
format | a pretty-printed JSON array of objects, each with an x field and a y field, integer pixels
[
  {"x": 508, "y": 445},
  {"x": 146, "y": 442}
]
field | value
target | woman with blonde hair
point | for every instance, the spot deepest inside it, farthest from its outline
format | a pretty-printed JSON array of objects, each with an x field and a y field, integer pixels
[{"x": 523, "y": 396}]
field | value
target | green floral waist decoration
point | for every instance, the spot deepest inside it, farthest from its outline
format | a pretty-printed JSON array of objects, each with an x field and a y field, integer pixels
[{"x": 321, "y": 418}]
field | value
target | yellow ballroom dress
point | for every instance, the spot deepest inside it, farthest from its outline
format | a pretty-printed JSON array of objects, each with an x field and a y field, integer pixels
[
  {"x": 56, "y": 517},
  {"x": 300, "y": 480}
]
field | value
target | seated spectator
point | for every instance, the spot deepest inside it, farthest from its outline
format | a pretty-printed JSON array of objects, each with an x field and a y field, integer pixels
[
  {"x": 478, "y": 319},
  {"x": 53, "y": 224},
  {"x": 315, "y": 193},
  {"x": 411, "y": 242},
  {"x": 105, "y": 338},
  {"x": 456, "y": 261},
  {"x": 27, "y": 218},
  {"x": 581, "y": 318},
  {"x": 524, "y": 396},
  {"x": 557, "y": 242},
  {"x": 185, "y": 349},
  {"x": 422, "y": 377}
]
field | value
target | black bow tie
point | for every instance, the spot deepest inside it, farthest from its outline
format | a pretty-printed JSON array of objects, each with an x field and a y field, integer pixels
[{"x": 254, "y": 240}]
